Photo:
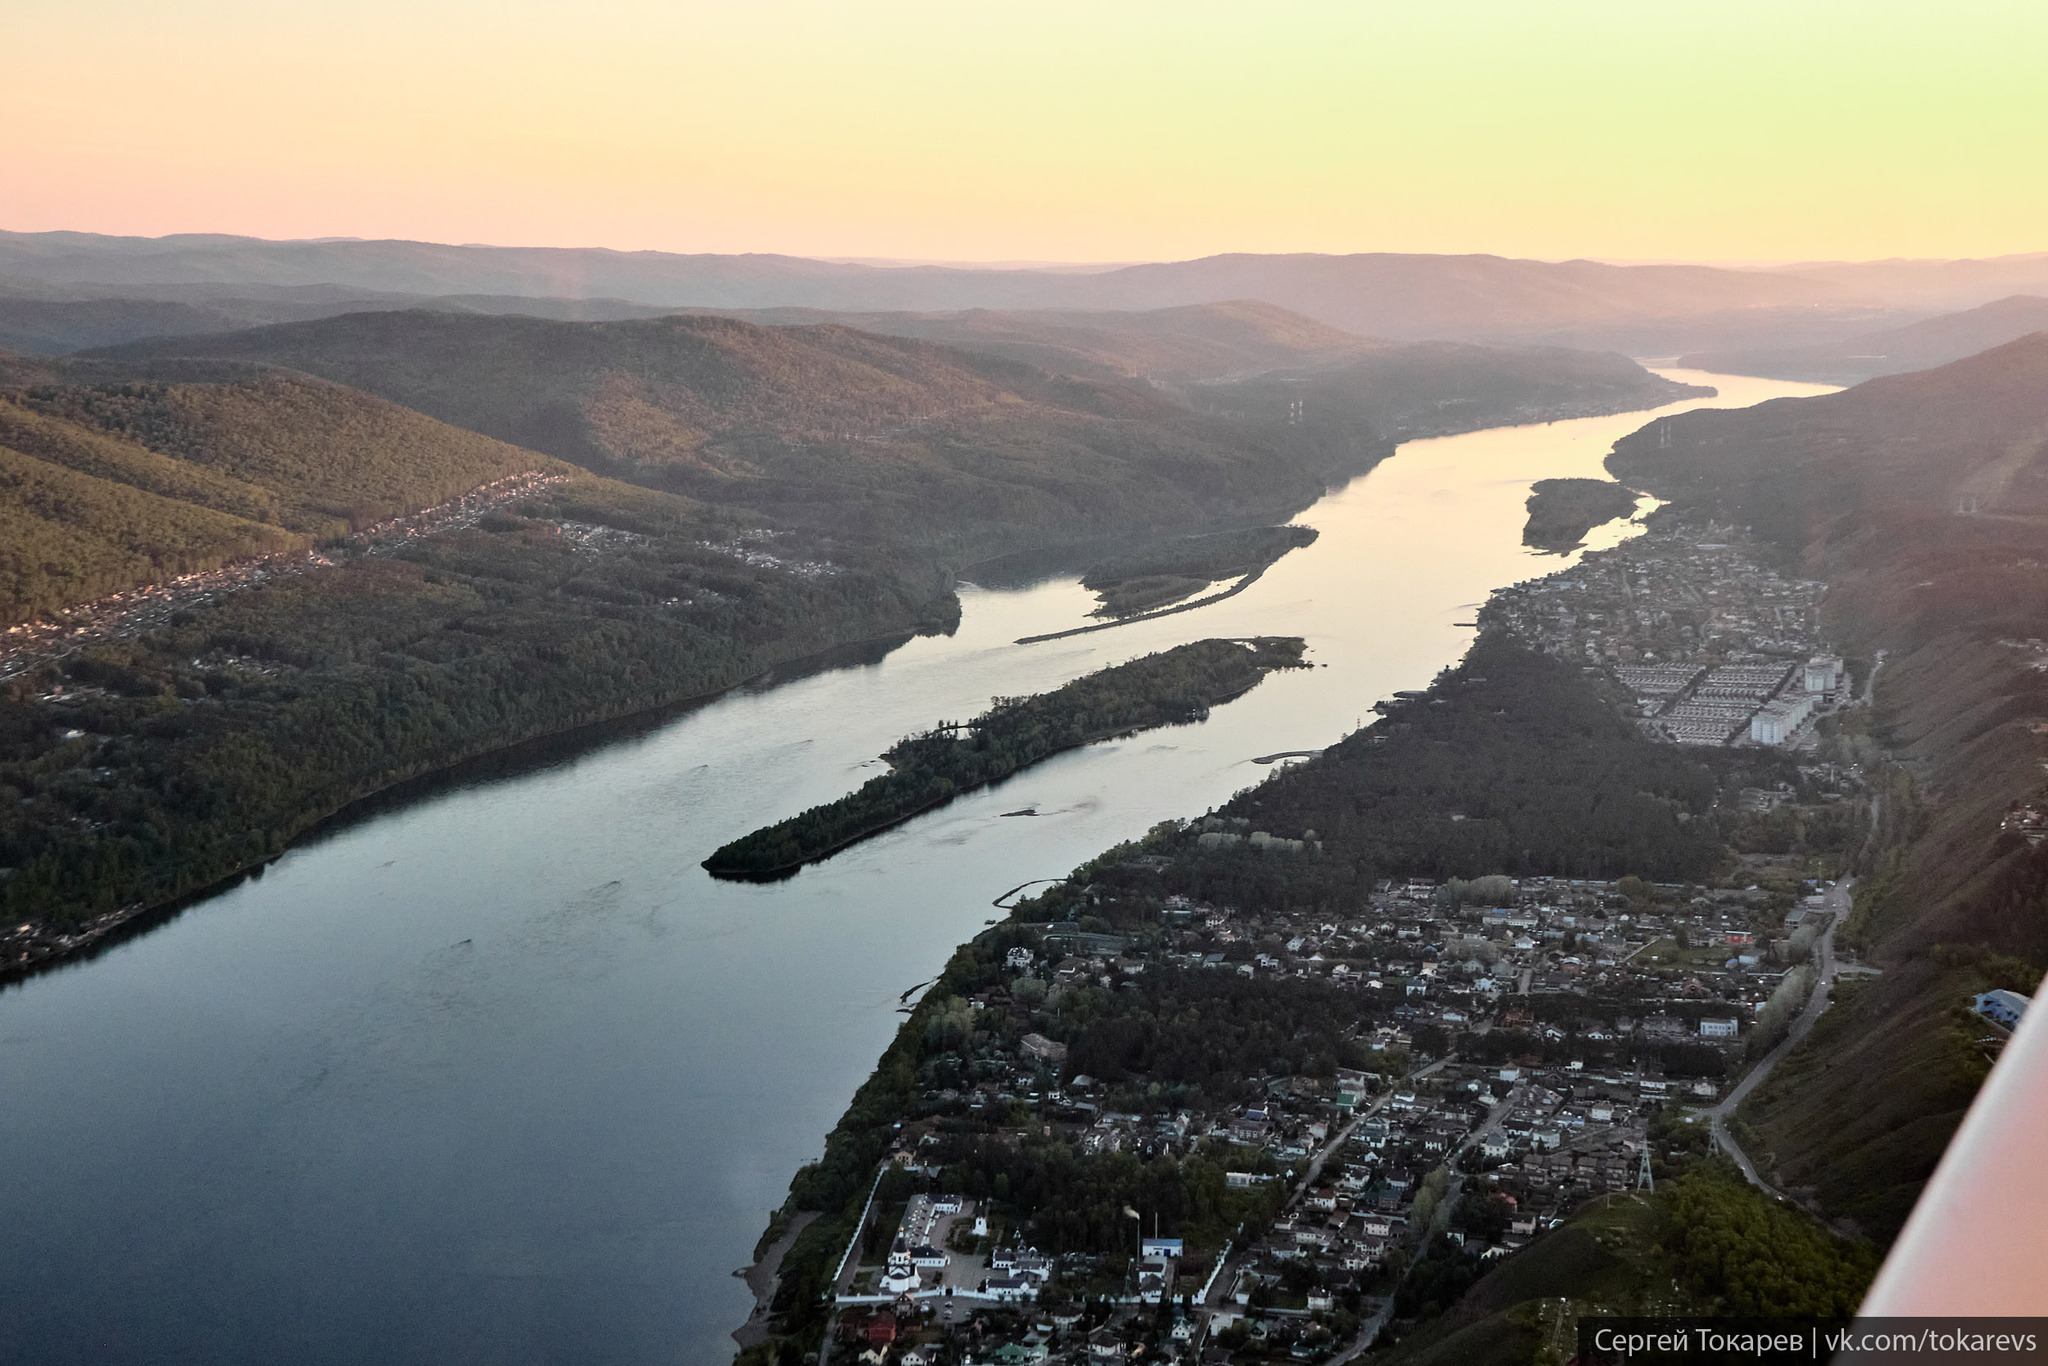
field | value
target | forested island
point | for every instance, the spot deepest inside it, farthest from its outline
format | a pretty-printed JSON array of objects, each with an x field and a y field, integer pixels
[
  {"x": 1155, "y": 575},
  {"x": 1209, "y": 994},
  {"x": 1172, "y": 687},
  {"x": 1562, "y": 511},
  {"x": 204, "y": 658}
]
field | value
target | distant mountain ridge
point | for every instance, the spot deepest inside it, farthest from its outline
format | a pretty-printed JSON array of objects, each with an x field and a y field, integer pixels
[
  {"x": 1401, "y": 296},
  {"x": 1916, "y": 346}
]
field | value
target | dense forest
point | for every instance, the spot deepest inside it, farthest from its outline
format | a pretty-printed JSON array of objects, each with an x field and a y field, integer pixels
[
  {"x": 140, "y": 769},
  {"x": 1562, "y": 511},
  {"x": 1514, "y": 762},
  {"x": 107, "y": 486},
  {"x": 1172, "y": 687},
  {"x": 962, "y": 454},
  {"x": 1168, "y": 571}
]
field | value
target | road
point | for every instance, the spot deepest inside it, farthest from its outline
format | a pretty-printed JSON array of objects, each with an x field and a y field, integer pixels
[
  {"x": 1824, "y": 963},
  {"x": 1369, "y": 1329},
  {"x": 1225, "y": 1281}
]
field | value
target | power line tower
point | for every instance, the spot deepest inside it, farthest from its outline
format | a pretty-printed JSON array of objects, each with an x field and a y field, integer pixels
[{"x": 1644, "y": 1181}]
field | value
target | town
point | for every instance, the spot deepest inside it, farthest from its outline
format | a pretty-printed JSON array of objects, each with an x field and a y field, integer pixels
[
  {"x": 1714, "y": 647},
  {"x": 1517, "y": 1044},
  {"x": 1473, "y": 1060}
]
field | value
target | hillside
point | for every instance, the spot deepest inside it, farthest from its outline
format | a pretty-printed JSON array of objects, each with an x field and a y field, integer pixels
[
  {"x": 1191, "y": 342},
  {"x": 1407, "y": 297},
  {"x": 1922, "y": 500},
  {"x": 1432, "y": 388},
  {"x": 819, "y": 426},
  {"x": 966, "y": 455},
  {"x": 1702, "y": 1244},
  {"x": 105, "y": 486},
  {"x": 57, "y": 320},
  {"x": 1894, "y": 351}
]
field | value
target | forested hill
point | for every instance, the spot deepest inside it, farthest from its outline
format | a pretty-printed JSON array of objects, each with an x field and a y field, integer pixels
[
  {"x": 1922, "y": 500},
  {"x": 1940, "y": 472},
  {"x": 1191, "y": 342},
  {"x": 966, "y": 454},
  {"x": 107, "y": 485},
  {"x": 820, "y": 426}
]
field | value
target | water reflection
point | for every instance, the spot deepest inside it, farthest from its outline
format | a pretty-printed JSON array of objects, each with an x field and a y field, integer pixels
[{"x": 492, "y": 1071}]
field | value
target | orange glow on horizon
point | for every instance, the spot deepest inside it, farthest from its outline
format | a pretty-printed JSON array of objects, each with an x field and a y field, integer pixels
[{"x": 1054, "y": 131}]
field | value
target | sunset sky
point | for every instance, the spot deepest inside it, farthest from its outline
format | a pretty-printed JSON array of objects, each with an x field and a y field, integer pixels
[{"x": 1098, "y": 131}]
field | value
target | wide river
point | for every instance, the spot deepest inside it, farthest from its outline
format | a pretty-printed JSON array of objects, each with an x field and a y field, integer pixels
[{"x": 495, "y": 1073}]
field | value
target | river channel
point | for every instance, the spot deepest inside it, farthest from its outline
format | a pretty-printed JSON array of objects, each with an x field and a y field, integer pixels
[{"x": 496, "y": 1073}]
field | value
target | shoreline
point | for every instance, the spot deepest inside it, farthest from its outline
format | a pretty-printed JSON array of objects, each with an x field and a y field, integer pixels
[
  {"x": 788, "y": 870},
  {"x": 112, "y": 928},
  {"x": 764, "y": 1276}
]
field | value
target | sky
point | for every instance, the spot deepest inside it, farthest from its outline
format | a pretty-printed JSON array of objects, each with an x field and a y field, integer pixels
[{"x": 1113, "y": 130}]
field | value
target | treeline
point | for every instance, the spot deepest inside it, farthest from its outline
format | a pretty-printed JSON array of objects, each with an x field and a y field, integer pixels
[
  {"x": 1754, "y": 1257},
  {"x": 1172, "y": 687},
  {"x": 1076, "y": 1203},
  {"x": 1203, "y": 1038},
  {"x": 210, "y": 745},
  {"x": 1514, "y": 762}
]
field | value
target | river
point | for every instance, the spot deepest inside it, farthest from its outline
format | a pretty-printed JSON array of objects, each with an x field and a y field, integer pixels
[{"x": 496, "y": 1073}]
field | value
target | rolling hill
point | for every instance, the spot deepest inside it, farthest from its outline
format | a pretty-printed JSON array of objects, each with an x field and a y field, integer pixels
[
  {"x": 964, "y": 454},
  {"x": 1937, "y": 285},
  {"x": 104, "y": 486},
  {"x": 1894, "y": 351},
  {"x": 1189, "y": 342},
  {"x": 1402, "y": 296}
]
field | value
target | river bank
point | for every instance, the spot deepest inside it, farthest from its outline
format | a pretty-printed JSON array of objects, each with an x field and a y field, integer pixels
[
  {"x": 1173, "y": 687},
  {"x": 349, "y": 1138}
]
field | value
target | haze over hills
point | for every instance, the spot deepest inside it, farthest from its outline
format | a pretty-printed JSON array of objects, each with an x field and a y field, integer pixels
[
  {"x": 1406, "y": 297},
  {"x": 1932, "y": 284},
  {"x": 1922, "y": 499},
  {"x": 943, "y": 447},
  {"x": 1916, "y": 346},
  {"x": 1189, "y": 342}
]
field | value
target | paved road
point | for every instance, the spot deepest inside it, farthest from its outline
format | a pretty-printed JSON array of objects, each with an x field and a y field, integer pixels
[
  {"x": 1824, "y": 963},
  {"x": 1225, "y": 1281},
  {"x": 1369, "y": 1329}
]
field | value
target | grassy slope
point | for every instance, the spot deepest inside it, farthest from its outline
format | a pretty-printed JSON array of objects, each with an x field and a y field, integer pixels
[{"x": 1863, "y": 488}]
